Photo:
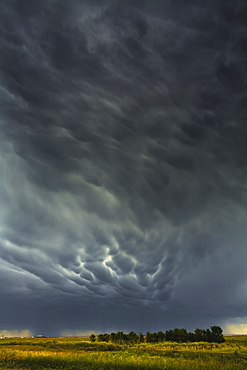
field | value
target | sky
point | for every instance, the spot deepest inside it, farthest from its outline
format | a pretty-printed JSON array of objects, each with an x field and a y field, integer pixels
[{"x": 123, "y": 176}]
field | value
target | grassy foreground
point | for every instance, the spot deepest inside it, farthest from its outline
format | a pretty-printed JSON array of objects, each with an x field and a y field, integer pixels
[{"x": 80, "y": 353}]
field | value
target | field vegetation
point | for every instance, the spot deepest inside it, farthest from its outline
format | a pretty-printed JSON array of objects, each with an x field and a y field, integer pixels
[{"x": 83, "y": 353}]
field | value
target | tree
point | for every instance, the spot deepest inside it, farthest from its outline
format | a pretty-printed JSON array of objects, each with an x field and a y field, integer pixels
[
  {"x": 151, "y": 337},
  {"x": 132, "y": 337},
  {"x": 217, "y": 334},
  {"x": 161, "y": 336},
  {"x": 214, "y": 334},
  {"x": 103, "y": 337},
  {"x": 198, "y": 335},
  {"x": 177, "y": 335},
  {"x": 93, "y": 337},
  {"x": 141, "y": 338}
]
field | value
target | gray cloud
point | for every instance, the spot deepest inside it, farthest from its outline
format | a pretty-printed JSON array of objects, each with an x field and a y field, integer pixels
[{"x": 122, "y": 164}]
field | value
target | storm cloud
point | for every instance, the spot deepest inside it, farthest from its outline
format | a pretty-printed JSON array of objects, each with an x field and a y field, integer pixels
[{"x": 122, "y": 164}]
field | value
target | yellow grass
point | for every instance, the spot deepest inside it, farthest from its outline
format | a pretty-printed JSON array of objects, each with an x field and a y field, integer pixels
[{"x": 80, "y": 353}]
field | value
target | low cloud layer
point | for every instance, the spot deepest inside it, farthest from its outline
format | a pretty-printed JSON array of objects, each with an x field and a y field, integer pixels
[{"x": 122, "y": 164}]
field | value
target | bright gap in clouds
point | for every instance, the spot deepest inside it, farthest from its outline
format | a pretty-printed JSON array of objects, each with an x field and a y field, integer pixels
[
  {"x": 239, "y": 327},
  {"x": 15, "y": 333}
]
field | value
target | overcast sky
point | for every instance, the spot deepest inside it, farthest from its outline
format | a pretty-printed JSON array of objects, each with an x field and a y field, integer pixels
[{"x": 123, "y": 165}]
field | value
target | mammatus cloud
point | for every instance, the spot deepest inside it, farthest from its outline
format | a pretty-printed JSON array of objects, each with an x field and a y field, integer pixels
[{"x": 122, "y": 164}]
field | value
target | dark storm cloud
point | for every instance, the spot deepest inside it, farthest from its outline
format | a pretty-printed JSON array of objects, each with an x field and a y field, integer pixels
[{"x": 123, "y": 164}]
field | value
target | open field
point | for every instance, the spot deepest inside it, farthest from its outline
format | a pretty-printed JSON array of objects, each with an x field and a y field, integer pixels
[{"x": 80, "y": 353}]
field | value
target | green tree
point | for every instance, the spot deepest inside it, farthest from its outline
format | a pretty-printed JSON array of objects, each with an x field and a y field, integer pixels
[
  {"x": 141, "y": 338},
  {"x": 132, "y": 337},
  {"x": 217, "y": 334},
  {"x": 93, "y": 337},
  {"x": 198, "y": 335},
  {"x": 103, "y": 337},
  {"x": 161, "y": 336}
]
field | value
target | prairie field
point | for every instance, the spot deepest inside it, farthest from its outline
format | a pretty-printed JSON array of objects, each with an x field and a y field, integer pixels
[{"x": 81, "y": 353}]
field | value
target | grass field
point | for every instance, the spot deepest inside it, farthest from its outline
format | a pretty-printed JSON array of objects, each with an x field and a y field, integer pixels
[{"x": 80, "y": 353}]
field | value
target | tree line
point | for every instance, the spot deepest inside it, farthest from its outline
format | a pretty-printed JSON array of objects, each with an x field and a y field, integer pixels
[{"x": 214, "y": 334}]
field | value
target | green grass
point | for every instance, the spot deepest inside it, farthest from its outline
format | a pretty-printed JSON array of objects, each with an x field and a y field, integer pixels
[{"x": 80, "y": 353}]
